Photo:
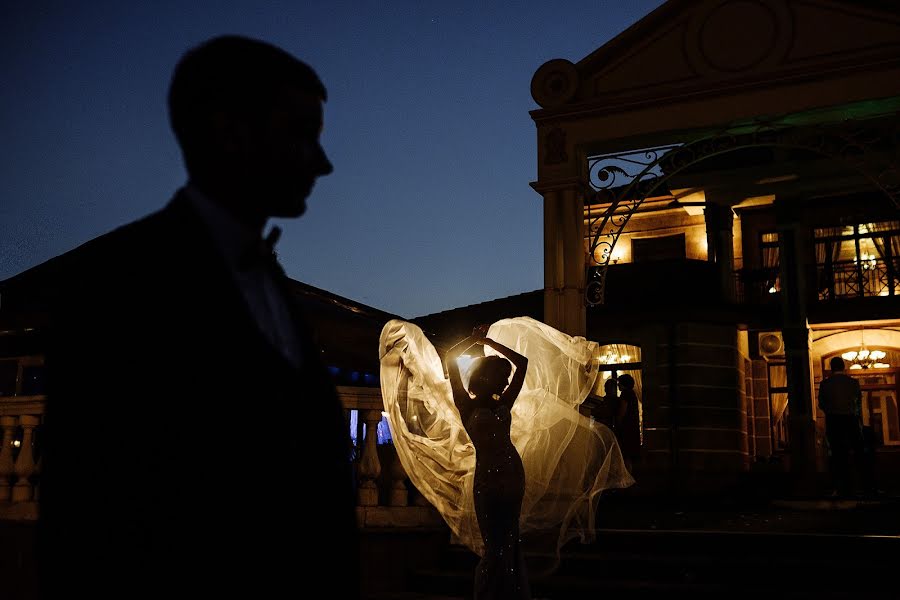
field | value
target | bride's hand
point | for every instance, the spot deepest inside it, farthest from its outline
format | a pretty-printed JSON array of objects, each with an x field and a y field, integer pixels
[{"x": 480, "y": 331}]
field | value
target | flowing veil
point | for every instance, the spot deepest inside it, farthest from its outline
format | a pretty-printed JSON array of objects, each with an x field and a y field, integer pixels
[{"x": 568, "y": 459}]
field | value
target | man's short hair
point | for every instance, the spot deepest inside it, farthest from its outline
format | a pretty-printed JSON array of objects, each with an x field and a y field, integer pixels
[
  {"x": 837, "y": 363},
  {"x": 234, "y": 74}
]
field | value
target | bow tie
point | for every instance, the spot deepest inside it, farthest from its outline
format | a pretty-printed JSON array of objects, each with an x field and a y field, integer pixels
[{"x": 261, "y": 253}]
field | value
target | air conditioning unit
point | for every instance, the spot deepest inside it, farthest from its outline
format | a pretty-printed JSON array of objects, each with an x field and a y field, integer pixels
[{"x": 771, "y": 344}]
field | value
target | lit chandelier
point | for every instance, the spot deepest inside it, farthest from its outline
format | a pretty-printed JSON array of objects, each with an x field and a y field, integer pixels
[
  {"x": 612, "y": 357},
  {"x": 865, "y": 358},
  {"x": 866, "y": 261}
]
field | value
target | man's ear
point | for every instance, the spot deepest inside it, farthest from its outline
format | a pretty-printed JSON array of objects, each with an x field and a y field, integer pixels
[{"x": 232, "y": 136}]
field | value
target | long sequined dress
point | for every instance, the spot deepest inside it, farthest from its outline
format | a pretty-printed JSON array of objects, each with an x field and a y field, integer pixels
[{"x": 499, "y": 487}]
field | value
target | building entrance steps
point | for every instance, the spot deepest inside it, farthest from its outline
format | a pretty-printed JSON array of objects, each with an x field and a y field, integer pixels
[{"x": 812, "y": 548}]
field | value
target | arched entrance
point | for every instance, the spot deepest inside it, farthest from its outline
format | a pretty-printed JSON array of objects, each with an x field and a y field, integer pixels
[
  {"x": 878, "y": 378},
  {"x": 615, "y": 359}
]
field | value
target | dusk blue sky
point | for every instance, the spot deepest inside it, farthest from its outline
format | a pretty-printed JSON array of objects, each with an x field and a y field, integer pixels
[{"x": 427, "y": 125}]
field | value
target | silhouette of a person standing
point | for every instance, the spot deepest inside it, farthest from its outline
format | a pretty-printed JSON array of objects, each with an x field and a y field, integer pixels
[
  {"x": 840, "y": 398},
  {"x": 628, "y": 420},
  {"x": 499, "y": 485},
  {"x": 181, "y": 368}
]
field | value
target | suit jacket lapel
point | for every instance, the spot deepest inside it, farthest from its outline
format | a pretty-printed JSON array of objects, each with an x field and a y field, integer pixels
[{"x": 210, "y": 276}]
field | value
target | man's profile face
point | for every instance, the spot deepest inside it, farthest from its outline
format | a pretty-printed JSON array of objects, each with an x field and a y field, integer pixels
[{"x": 286, "y": 154}]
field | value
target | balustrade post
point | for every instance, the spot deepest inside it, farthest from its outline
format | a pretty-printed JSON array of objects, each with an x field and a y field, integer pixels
[
  {"x": 399, "y": 493},
  {"x": 369, "y": 465},
  {"x": 420, "y": 500},
  {"x": 24, "y": 467},
  {"x": 7, "y": 467}
]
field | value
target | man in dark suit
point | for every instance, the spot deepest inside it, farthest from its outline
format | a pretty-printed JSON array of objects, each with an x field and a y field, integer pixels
[
  {"x": 840, "y": 398},
  {"x": 181, "y": 372}
]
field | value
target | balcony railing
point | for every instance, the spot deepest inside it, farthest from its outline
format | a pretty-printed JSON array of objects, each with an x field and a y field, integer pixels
[
  {"x": 852, "y": 279},
  {"x": 757, "y": 286}
]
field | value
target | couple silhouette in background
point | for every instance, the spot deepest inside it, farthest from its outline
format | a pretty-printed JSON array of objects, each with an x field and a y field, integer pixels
[
  {"x": 181, "y": 367},
  {"x": 624, "y": 417}
]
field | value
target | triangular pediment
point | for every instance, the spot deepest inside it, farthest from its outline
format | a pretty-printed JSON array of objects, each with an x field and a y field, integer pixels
[{"x": 688, "y": 47}]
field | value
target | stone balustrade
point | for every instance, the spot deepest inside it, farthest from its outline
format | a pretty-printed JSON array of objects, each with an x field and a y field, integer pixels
[
  {"x": 383, "y": 499},
  {"x": 19, "y": 469}
]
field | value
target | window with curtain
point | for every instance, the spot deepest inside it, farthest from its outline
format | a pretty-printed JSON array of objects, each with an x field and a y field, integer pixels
[
  {"x": 885, "y": 236},
  {"x": 778, "y": 403},
  {"x": 858, "y": 260},
  {"x": 771, "y": 261}
]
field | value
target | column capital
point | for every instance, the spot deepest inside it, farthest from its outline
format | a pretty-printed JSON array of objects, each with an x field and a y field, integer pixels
[{"x": 542, "y": 186}]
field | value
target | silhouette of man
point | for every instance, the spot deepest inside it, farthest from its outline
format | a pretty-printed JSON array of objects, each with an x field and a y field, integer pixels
[
  {"x": 182, "y": 373},
  {"x": 840, "y": 398}
]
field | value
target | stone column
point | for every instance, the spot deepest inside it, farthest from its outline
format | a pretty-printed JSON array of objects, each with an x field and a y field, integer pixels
[
  {"x": 7, "y": 468},
  {"x": 720, "y": 244},
  {"x": 564, "y": 258},
  {"x": 704, "y": 396},
  {"x": 369, "y": 465},
  {"x": 794, "y": 247},
  {"x": 24, "y": 468}
]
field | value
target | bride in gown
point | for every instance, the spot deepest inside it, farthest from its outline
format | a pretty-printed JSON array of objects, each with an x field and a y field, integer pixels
[
  {"x": 567, "y": 459},
  {"x": 485, "y": 408}
]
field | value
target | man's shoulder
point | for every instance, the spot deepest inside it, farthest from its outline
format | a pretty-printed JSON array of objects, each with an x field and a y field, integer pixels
[
  {"x": 839, "y": 381},
  {"x": 844, "y": 377},
  {"x": 122, "y": 258},
  {"x": 134, "y": 235},
  {"x": 141, "y": 241}
]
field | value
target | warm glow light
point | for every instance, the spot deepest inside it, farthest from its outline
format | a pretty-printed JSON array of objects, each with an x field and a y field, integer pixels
[
  {"x": 867, "y": 261},
  {"x": 17, "y": 443},
  {"x": 865, "y": 358},
  {"x": 465, "y": 363},
  {"x": 611, "y": 358},
  {"x": 756, "y": 201},
  {"x": 384, "y": 414},
  {"x": 772, "y": 290},
  {"x": 692, "y": 202}
]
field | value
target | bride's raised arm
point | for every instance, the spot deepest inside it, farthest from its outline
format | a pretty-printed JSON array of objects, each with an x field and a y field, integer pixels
[
  {"x": 460, "y": 396},
  {"x": 521, "y": 364}
]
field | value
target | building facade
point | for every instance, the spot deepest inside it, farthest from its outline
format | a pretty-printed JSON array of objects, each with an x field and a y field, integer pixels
[{"x": 721, "y": 185}]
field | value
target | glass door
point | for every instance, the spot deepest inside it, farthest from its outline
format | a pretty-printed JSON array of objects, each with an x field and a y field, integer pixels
[{"x": 879, "y": 405}]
